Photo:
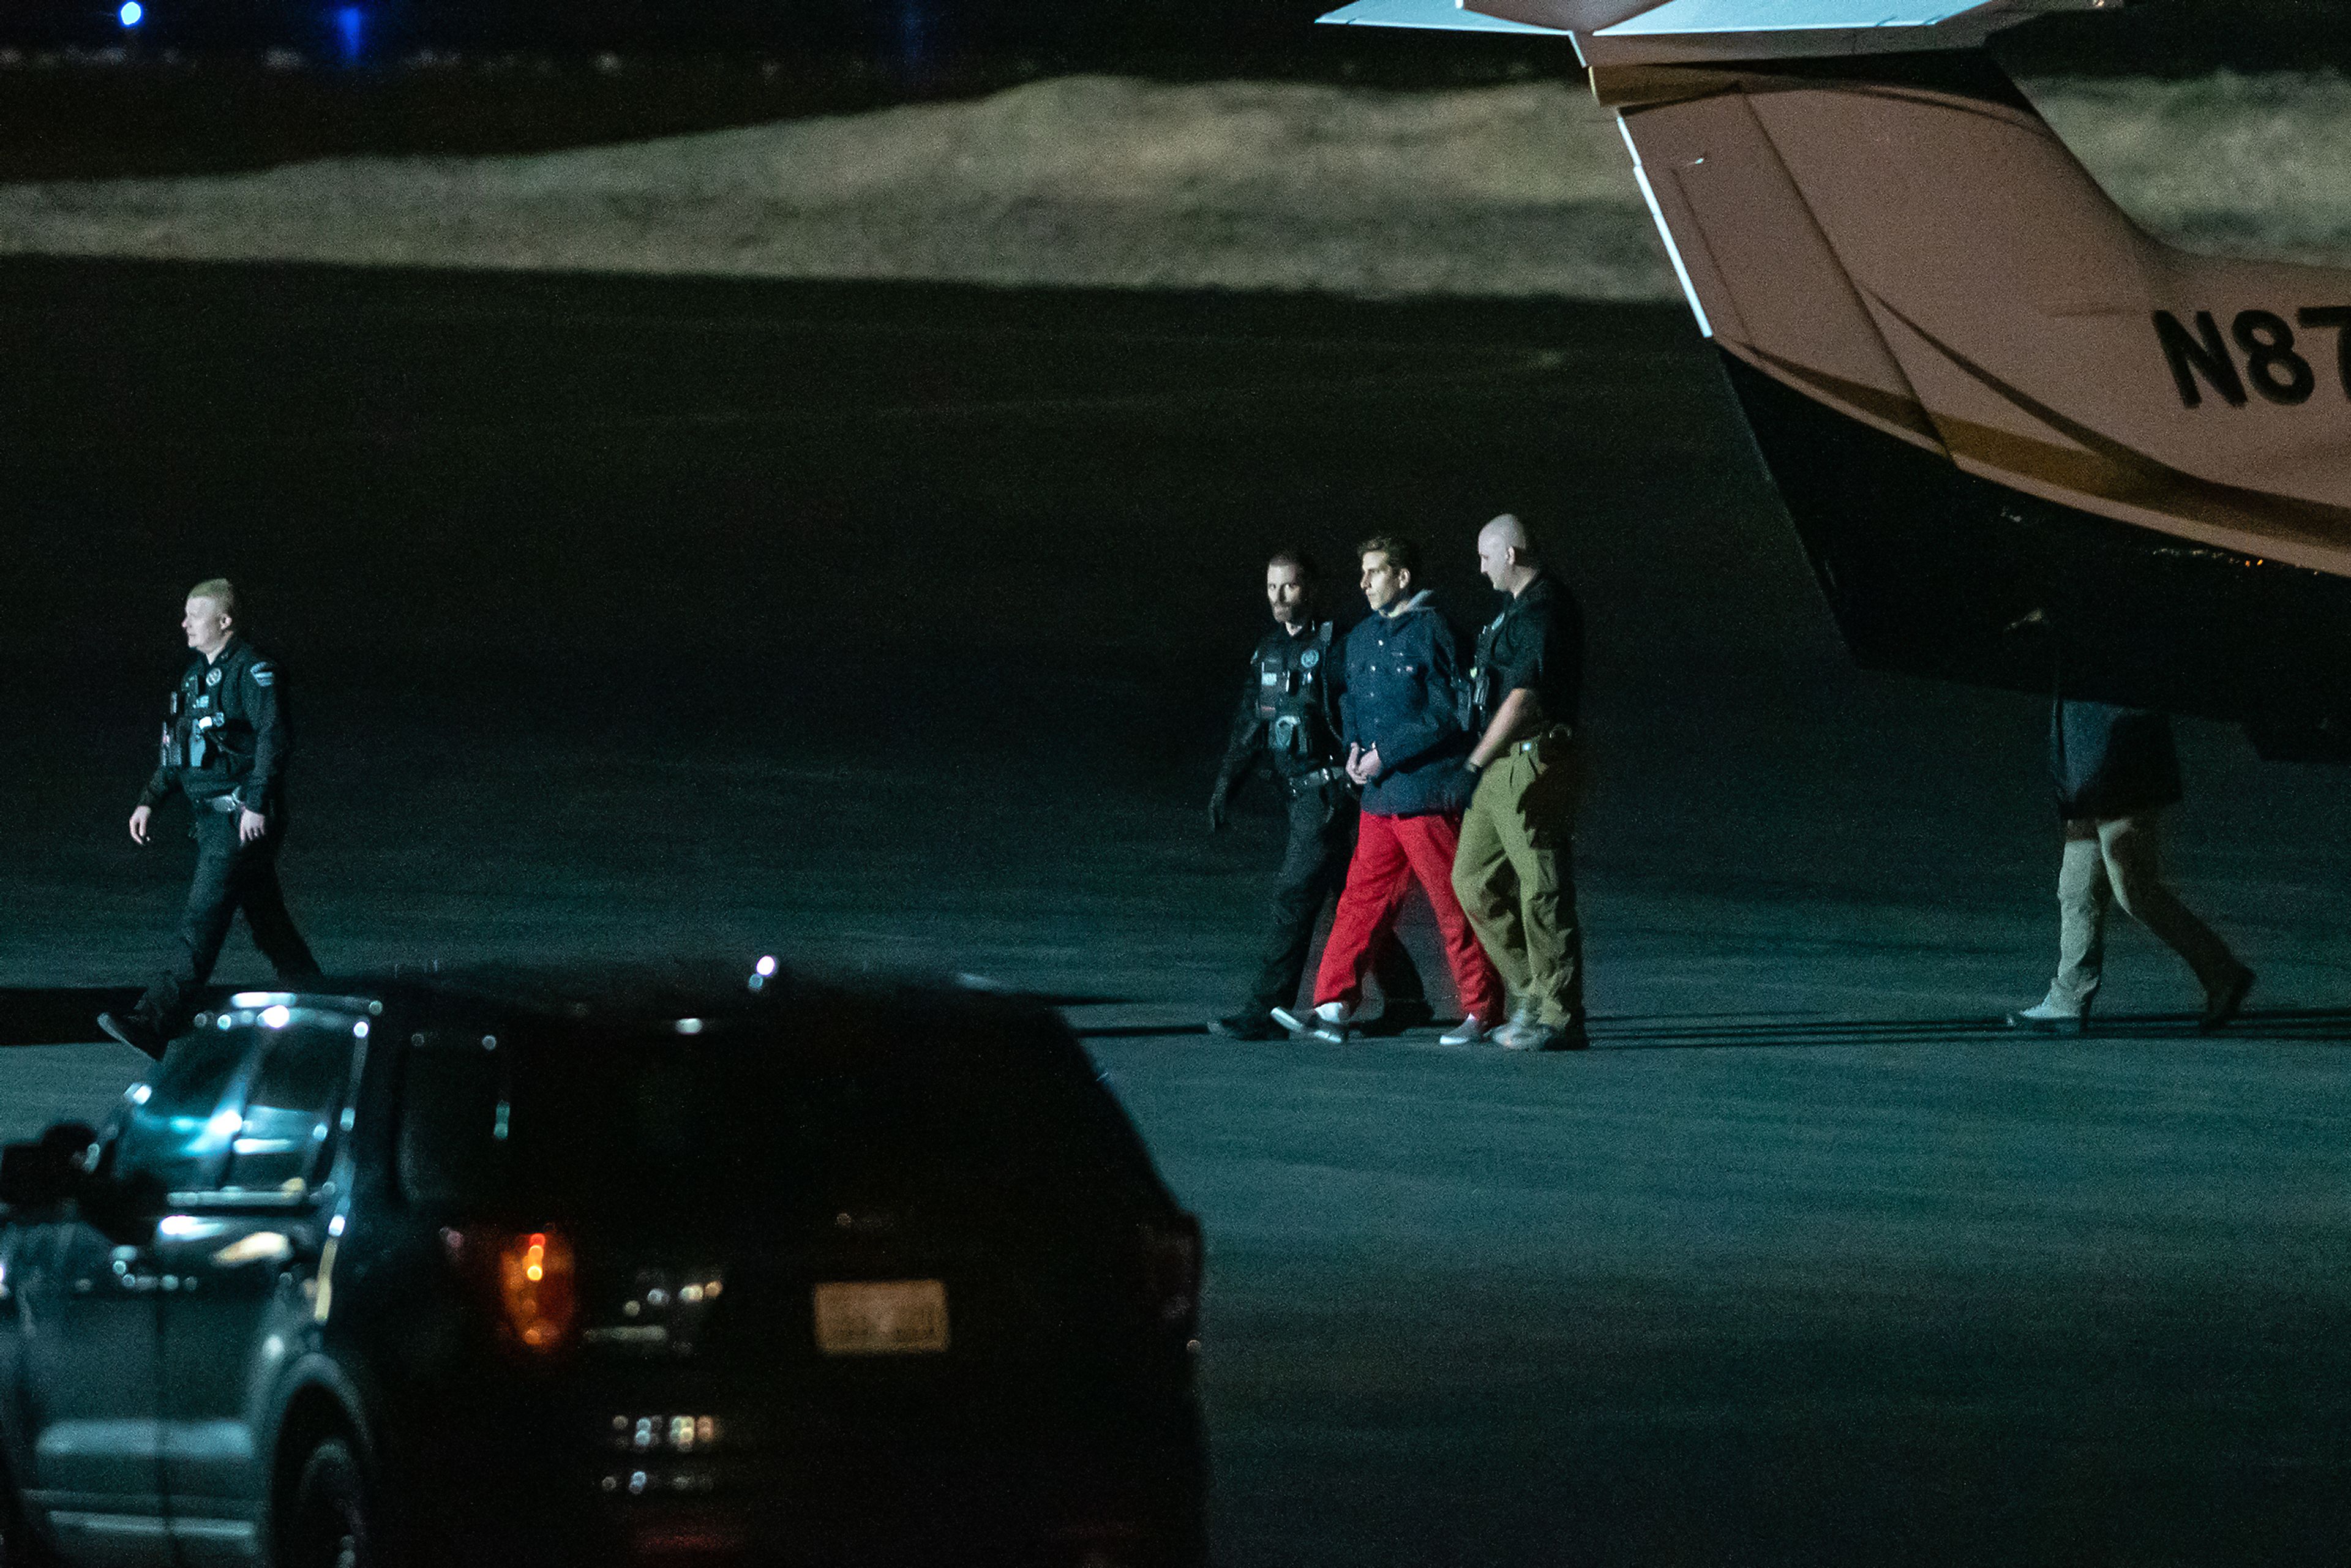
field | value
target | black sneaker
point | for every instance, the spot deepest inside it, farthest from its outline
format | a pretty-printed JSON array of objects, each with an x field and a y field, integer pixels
[
  {"x": 2223, "y": 1005},
  {"x": 1397, "y": 1017},
  {"x": 135, "y": 1032},
  {"x": 1246, "y": 1026}
]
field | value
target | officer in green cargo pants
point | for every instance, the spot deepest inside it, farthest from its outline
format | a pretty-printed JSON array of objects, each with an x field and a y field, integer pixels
[{"x": 1514, "y": 872}]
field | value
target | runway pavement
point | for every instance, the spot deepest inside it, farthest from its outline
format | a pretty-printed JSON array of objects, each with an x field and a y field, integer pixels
[
  {"x": 1944, "y": 1301},
  {"x": 898, "y": 627}
]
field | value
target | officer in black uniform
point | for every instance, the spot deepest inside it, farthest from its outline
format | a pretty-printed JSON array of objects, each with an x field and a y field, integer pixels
[
  {"x": 225, "y": 748},
  {"x": 1289, "y": 720}
]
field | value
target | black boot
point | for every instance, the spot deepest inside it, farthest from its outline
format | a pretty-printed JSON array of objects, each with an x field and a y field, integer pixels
[
  {"x": 136, "y": 1032},
  {"x": 1246, "y": 1026}
]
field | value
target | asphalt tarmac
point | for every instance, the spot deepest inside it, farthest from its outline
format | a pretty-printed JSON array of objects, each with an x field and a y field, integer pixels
[{"x": 898, "y": 627}]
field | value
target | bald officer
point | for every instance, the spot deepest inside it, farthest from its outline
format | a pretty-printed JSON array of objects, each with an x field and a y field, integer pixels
[
  {"x": 1514, "y": 872},
  {"x": 224, "y": 750}
]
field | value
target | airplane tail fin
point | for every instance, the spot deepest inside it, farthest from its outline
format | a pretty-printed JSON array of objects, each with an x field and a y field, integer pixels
[
  {"x": 2021, "y": 439},
  {"x": 1985, "y": 392}
]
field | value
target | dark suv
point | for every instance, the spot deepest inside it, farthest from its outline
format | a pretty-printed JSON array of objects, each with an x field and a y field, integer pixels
[{"x": 522, "y": 1268}]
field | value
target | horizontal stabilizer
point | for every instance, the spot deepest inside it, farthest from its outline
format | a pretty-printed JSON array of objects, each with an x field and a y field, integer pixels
[
  {"x": 1694, "y": 32},
  {"x": 1441, "y": 15},
  {"x": 1782, "y": 16}
]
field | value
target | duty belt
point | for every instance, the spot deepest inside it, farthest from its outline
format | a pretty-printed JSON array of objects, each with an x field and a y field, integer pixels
[
  {"x": 228, "y": 802},
  {"x": 1316, "y": 779}
]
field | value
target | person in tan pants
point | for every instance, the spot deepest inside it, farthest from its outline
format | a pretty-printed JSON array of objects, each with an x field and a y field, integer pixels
[
  {"x": 2116, "y": 770},
  {"x": 1514, "y": 870}
]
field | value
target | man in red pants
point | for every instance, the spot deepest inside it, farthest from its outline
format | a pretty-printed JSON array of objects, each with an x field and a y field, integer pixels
[{"x": 1405, "y": 742}]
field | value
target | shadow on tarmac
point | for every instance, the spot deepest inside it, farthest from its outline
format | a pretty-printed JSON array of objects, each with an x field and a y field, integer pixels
[
  {"x": 2311, "y": 1024},
  {"x": 2315, "y": 1026}
]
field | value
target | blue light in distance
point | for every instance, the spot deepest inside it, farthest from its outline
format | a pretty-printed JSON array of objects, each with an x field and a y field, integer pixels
[
  {"x": 914, "y": 29},
  {"x": 350, "y": 26},
  {"x": 132, "y": 13}
]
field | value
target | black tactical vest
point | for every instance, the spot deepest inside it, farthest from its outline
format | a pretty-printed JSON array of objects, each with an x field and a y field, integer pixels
[
  {"x": 203, "y": 733},
  {"x": 1293, "y": 700},
  {"x": 1480, "y": 699}
]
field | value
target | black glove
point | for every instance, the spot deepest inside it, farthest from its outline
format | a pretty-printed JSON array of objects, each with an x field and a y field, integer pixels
[{"x": 1217, "y": 815}]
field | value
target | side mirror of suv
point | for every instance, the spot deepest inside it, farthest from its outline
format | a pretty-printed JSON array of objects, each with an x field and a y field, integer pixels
[{"x": 52, "y": 1168}]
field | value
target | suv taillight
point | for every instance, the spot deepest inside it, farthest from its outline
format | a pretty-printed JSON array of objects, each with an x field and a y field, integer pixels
[
  {"x": 539, "y": 1288},
  {"x": 1171, "y": 1271}
]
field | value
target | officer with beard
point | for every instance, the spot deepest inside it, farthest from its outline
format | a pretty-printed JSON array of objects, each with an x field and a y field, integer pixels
[{"x": 1288, "y": 720}]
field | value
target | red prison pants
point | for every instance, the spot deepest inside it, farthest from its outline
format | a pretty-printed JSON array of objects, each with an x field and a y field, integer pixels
[{"x": 1391, "y": 853}]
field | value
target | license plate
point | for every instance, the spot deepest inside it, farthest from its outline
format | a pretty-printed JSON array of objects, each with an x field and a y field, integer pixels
[{"x": 882, "y": 1317}]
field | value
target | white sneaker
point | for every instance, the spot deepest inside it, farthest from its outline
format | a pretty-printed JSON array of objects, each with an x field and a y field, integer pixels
[
  {"x": 1525, "y": 1017},
  {"x": 1334, "y": 1023},
  {"x": 1327, "y": 1023},
  {"x": 1468, "y": 1032},
  {"x": 2049, "y": 1016}
]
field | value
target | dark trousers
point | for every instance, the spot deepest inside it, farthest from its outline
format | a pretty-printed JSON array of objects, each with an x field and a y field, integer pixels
[
  {"x": 230, "y": 876},
  {"x": 1313, "y": 870}
]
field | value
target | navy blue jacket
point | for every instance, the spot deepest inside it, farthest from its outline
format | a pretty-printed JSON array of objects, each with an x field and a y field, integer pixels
[
  {"x": 1404, "y": 682},
  {"x": 2109, "y": 761}
]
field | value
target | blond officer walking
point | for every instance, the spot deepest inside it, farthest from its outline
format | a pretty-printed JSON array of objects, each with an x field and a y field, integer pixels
[{"x": 226, "y": 745}]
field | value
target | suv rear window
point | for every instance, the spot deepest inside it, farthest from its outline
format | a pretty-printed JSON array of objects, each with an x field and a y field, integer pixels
[{"x": 772, "y": 1116}]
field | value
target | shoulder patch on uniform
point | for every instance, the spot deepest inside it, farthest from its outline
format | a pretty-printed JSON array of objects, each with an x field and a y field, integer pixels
[{"x": 265, "y": 674}]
